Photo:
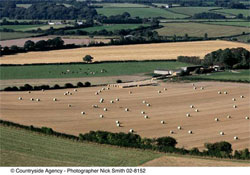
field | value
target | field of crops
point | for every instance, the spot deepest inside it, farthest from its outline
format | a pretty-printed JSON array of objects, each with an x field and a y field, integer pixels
[
  {"x": 231, "y": 23},
  {"x": 111, "y": 27},
  {"x": 141, "y": 12},
  {"x": 199, "y": 29},
  {"x": 24, "y": 148},
  {"x": 156, "y": 51},
  {"x": 233, "y": 12},
  {"x": 15, "y": 35},
  {"x": 190, "y": 11},
  {"x": 84, "y": 70},
  {"x": 242, "y": 75}
]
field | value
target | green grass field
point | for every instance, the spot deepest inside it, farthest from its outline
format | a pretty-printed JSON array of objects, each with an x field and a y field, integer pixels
[
  {"x": 24, "y": 148},
  {"x": 242, "y": 75},
  {"x": 14, "y": 35},
  {"x": 141, "y": 12},
  {"x": 190, "y": 11},
  {"x": 111, "y": 27},
  {"x": 233, "y": 12},
  {"x": 83, "y": 70},
  {"x": 199, "y": 29},
  {"x": 24, "y": 28},
  {"x": 121, "y": 5},
  {"x": 231, "y": 23}
]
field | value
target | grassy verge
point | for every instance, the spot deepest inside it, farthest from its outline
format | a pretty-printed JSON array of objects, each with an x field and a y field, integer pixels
[
  {"x": 24, "y": 148},
  {"x": 84, "y": 70}
]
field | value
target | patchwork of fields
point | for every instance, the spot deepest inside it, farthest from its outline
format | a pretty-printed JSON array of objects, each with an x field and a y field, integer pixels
[{"x": 128, "y": 52}]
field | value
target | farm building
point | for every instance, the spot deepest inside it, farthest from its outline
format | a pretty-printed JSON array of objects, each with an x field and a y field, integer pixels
[
  {"x": 191, "y": 68},
  {"x": 134, "y": 84},
  {"x": 168, "y": 72}
]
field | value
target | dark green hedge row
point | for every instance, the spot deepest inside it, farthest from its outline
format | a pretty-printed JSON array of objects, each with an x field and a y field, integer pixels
[
  {"x": 28, "y": 87},
  {"x": 163, "y": 144}
]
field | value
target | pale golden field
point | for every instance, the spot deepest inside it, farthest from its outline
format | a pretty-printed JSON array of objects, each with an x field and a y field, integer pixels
[
  {"x": 170, "y": 106},
  {"x": 128, "y": 52}
]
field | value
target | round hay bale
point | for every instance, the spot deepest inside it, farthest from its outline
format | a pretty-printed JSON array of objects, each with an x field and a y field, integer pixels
[
  {"x": 148, "y": 105},
  {"x": 219, "y": 92},
  {"x": 143, "y": 101},
  {"x": 111, "y": 101},
  {"x": 194, "y": 88},
  {"x": 192, "y": 84},
  {"x": 247, "y": 118},
  {"x": 234, "y": 106},
  {"x": 165, "y": 89},
  {"x": 225, "y": 92},
  {"x": 54, "y": 99},
  {"x": 131, "y": 130},
  {"x": 96, "y": 93},
  {"x": 101, "y": 100},
  {"x": 103, "y": 89},
  {"x": 162, "y": 122},
  {"x": 216, "y": 119},
  {"x": 188, "y": 115},
  {"x": 31, "y": 99},
  {"x": 191, "y": 106},
  {"x": 82, "y": 113},
  {"x": 118, "y": 125},
  {"x": 190, "y": 132},
  {"x": 142, "y": 112},
  {"x": 117, "y": 121},
  {"x": 20, "y": 98},
  {"x": 69, "y": 105},
  {"x": 95, "y": 106},
  {"x": 179, "y": 128},
  {"x": 242, "y": 96},
  {"x": 236, "y": 138},
  {"x": 126, "y": 109},
  {"x": 101, "y": 116},
  {"x": 197, "y": 110},
  {"x": 130, "y": 92},
  {"x": 171, "y": 132},
  {"x": 75, "y": 90},
  {"x": 65, "y": 94},
  {"x": 202, "y": 88},
  {"x": 105, "y": 109},
  {"x": 146, "y": 117},
  {"x": 37, "y": 99},
  {"x": 117, "y": 99},
  {"x": 233, "y": 99},
  {"x": 222, "y": 133},
  {"x": 70, "y": 93},
  {"x": 159, "y": 92},
  {"x": 29, "y": 92},
  {"x": 108, "y": 88},
  {"x": 228, "y": 116}
]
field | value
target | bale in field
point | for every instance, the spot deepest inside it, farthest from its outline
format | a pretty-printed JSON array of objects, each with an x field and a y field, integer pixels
[
  {"x": 179, "y": 128},
  {"x": 225, "y": 92},
  {"x": 143, "y": 101},
  {"x": 111, "y": 101},
  {"x": 194, "y": 88},
  {"x": 190, "y": 132},
  {"x": 159, "y": 92},
  {"x": 188, "y": 115},
  {"x": 75, "y": 90},
  {"x": 216, "y": 119},
  {"x": 96, "y": 93},
  {"x": 165, "y": 89},
  {"x": 228, "y": 116},
  {"x": 233, "y": 99},
  {"x": 222, "y": 133},
  {"x": 95, "y": 106},
  {"x": 31, "y": 99},
  {"x": 130, "y": 92},
  {"x": 117, "y": 99},
  {"x": 117, "y": 121},
  {"x": 105, "y": 109},
  {"x": 191, "y": 106},
  {"x": 101, "y": 100},
  {"x": 131, "y": 130},
  {"x": 37, "y": 99},
  {"x": 82, "y": 113},
  {"x": 118, "y": 125},
  {"x": 142, "y": 112},
  {"x": 242, "y": 96},
  {"x": 54, "y": 99},
  {"x": 202, "y": 88},
  {"x": 101, "y": 116},
  {"x": 69, "y": 105},
  {"x": 148, "y": 105},
  {"x": 162, "y": 122},
  {"x": 219, "y": 92},
  {"x": 196, "y": 110},
  {"x": 146, "y": 117},
  {"x": 234, "y": 106},
  {"x": 247, "y": 118},
  {"x": 236, "y": 138},
  {"x": 126, "y": 109},
  {"x": 20, "y": 98},
  {"x": 171, "y": 132}
]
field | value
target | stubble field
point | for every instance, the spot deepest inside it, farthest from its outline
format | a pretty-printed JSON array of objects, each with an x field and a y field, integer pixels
[
  {"x": 170, "y": 106},
  {"x": 128, "y": 52}
]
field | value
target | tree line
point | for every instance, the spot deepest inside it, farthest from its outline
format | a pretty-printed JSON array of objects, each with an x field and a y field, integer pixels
[{"x": 162, "y": 144}]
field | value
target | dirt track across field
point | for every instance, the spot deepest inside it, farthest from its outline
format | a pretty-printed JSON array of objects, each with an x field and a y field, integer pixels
[
  {"x": 189, "y": 161},
  {"x": 171, "y": 106},
  {"x": 127, "y": 52}
]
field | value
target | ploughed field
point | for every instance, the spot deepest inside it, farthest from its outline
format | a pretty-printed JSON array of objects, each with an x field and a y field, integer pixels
[
  {"x": 170, "y": 106},
  {"x": 127, "y": 52}
]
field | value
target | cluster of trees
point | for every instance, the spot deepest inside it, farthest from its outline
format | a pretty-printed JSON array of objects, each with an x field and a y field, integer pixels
[
  {"x": 235, "y": 58},
  {"x": 124, "y": 18},
  {"x": 42, "y": 45},
  {"x": 208, "y": 15},
  {"x": 230, "y": 4},
  {"x": 163, "y": 144},
  {"x": 33, "y": 22},
  {"x": 28, "y": 87},
  {"x": 47, "y": 10}
]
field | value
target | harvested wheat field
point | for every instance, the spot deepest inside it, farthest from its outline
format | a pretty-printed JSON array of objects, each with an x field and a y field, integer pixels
[
  {"x": 128, "y": 52},
  {"x": 170, "y": 105}
]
